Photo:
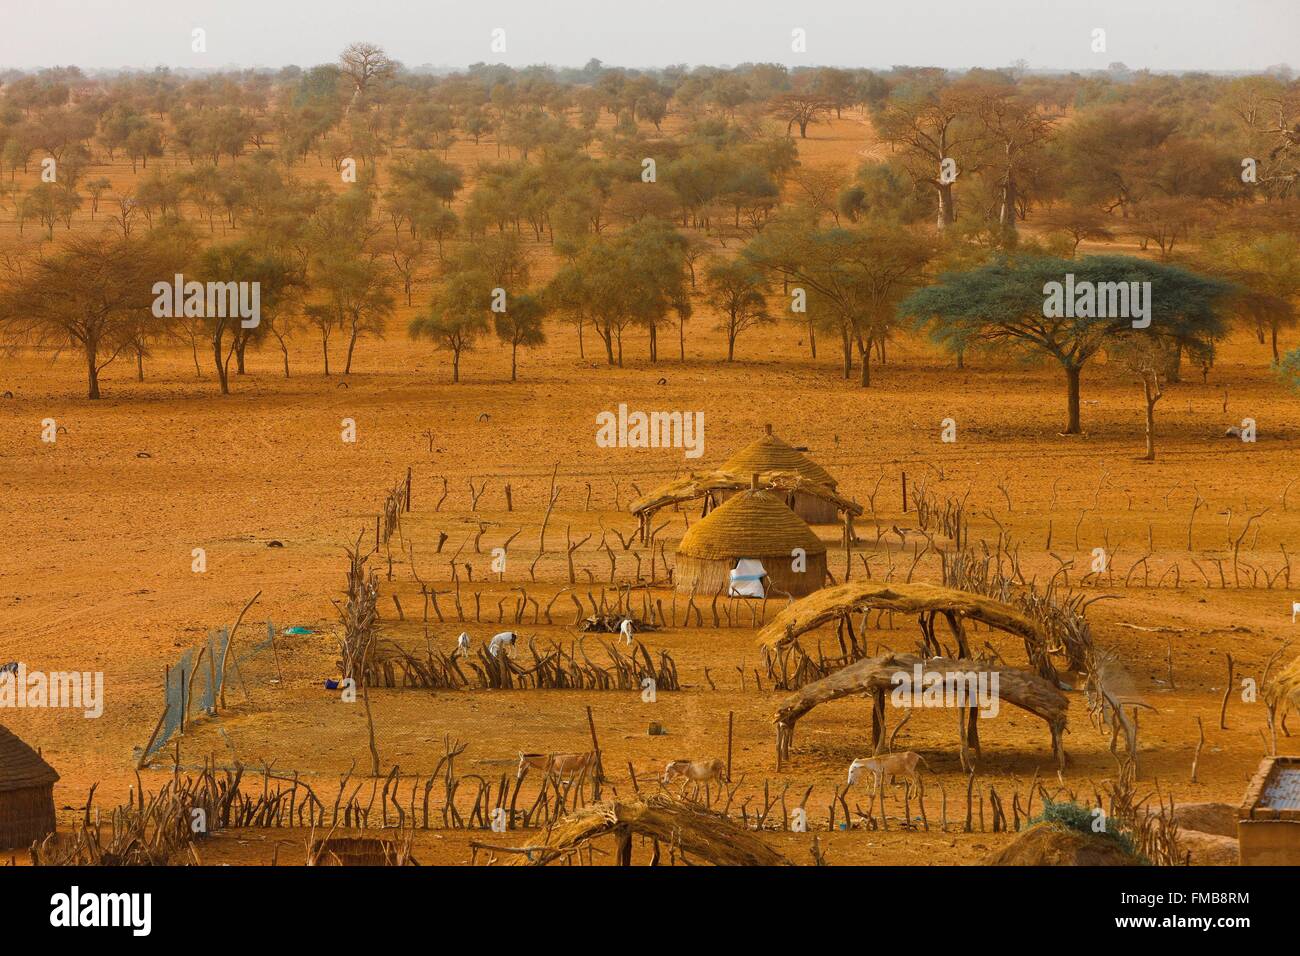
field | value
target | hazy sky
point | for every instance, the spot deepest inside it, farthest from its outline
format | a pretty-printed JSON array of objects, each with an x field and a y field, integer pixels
[{"x": 1159, "y": 34}]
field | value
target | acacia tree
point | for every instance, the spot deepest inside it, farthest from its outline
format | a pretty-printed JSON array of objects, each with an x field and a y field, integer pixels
[
  {"x": 1077, "y": 222},
  {"x": 456, "y": 317},
  {"x": 636, "y": 277},
  {"x": 1007, "y": 302},
  {"x": 1266, "y": 269},
  {"x": 855, "y": 276},
  {"x": 735, "y": 288},
  {"x": 89, "y": 296},
  {"x": 800, "y": 109},
  {"x": 520, "y": 324},
  {"x": 229, "y": 263},
  {"x": 1146, "y": 357}
]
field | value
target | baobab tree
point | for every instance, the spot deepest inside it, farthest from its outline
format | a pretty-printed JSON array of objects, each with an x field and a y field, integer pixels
[
  {"x": 365, "y": 65},
  {"x": 936, "y": 136}
]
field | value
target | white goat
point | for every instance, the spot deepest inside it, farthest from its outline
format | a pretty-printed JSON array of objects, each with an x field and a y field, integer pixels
[{"x": 500, "y": 641}]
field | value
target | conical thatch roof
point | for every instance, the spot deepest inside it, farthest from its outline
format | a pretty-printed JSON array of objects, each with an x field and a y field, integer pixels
[
  {"x": 770, "y": 453},
  {"x": 21, "y": 767},
  {"x": 751, "y": 524}
]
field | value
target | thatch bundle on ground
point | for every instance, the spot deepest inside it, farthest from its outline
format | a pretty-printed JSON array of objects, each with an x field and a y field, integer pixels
[
  {"x": 26, "y": 793},
  {"x": 755, "y": 524},
  {"x": 876, "y": 676},
  {"x": 770, "y": 453},
  {"x": 688, "y": 828},
  {"x": 927, "y": 601},
  {"x": 1047, "y": 844}
]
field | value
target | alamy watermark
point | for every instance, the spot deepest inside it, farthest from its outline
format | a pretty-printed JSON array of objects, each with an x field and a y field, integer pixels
[
  {"x": 651, "y": 430},
  {"x": 69, "y": 690},
  {"x": 208, "y": 300},
  {"x": 1098, "y": 300},
  {"x": 923, "y": 688}
]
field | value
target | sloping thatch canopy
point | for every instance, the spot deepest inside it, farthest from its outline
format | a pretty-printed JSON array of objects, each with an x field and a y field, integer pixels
[
  {"x": 21, "y": 767},
  {"x": 875, "y": 676},
  {"x": 770, "y": 453},
  {"x": 754, "y": 524},
  {"x": 925, "y": 600},
  {"x": 699, "y": 484},
  {"x": 690, "y": 827}
]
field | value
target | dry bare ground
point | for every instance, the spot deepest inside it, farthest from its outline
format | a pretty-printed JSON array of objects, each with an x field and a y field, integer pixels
[{"x": 95, "y": 571}]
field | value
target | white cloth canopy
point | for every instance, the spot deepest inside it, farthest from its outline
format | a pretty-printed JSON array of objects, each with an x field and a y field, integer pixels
[{"x": 747, "y": 578}]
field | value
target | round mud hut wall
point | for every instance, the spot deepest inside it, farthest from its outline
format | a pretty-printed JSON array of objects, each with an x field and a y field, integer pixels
[
  {"x": 26, "y": 794},
  {"x": 770, "y": 453},
  {"x": 751, "y": 524}
]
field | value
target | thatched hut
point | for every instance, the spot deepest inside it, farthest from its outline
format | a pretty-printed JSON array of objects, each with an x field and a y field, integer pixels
[
  {"x": 770, "y": 453},
  {"x": 754, "y": 525},
  {"x": 26, "y": 793}
]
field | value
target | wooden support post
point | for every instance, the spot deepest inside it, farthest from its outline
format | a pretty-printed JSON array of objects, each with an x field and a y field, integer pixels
[
  {"x": 731, "y": 727},
  {"x": 595, "y": 746}
]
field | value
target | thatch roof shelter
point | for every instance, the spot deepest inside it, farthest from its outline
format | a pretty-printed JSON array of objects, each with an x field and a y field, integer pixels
[
  {"x": 927, "y": 601},
  {"x": 876, "y": 676},
  {"x": 715, "y": 486},
  {"x": 688, "y": 827},
  {"x": 754, "y": 524},
  {"x": 770, "y": 453},
  {"x": 26, "y": 793}
]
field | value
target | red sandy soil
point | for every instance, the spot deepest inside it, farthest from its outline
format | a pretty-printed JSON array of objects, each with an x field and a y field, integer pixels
[{"x": 95, "y": 573}]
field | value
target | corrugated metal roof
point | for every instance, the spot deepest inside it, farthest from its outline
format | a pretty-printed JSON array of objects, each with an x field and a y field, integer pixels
[{"x": 1282, "y": 791}]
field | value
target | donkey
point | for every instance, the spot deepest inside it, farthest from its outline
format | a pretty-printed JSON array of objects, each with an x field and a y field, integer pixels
[{"x": 903, "y": 764}]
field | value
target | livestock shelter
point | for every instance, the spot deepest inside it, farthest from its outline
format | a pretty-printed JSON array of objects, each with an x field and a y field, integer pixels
[
  {"x": 770, "y": 453},
  {"x": 26, "y": 793},
  {"x": 753, "y": 525},
  {"x": 1268, "y": 826}
]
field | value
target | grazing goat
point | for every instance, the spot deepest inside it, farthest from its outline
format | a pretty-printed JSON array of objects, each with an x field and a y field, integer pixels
[
  {"x": 696, "y": 771},
  {"x": 626, "y": 630},
  {"x": 564, "y": 766},
  {"x": 462, "y": 643},
  {"x": 903, "y": 764},
  {"x": 500, "y": 641}
]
